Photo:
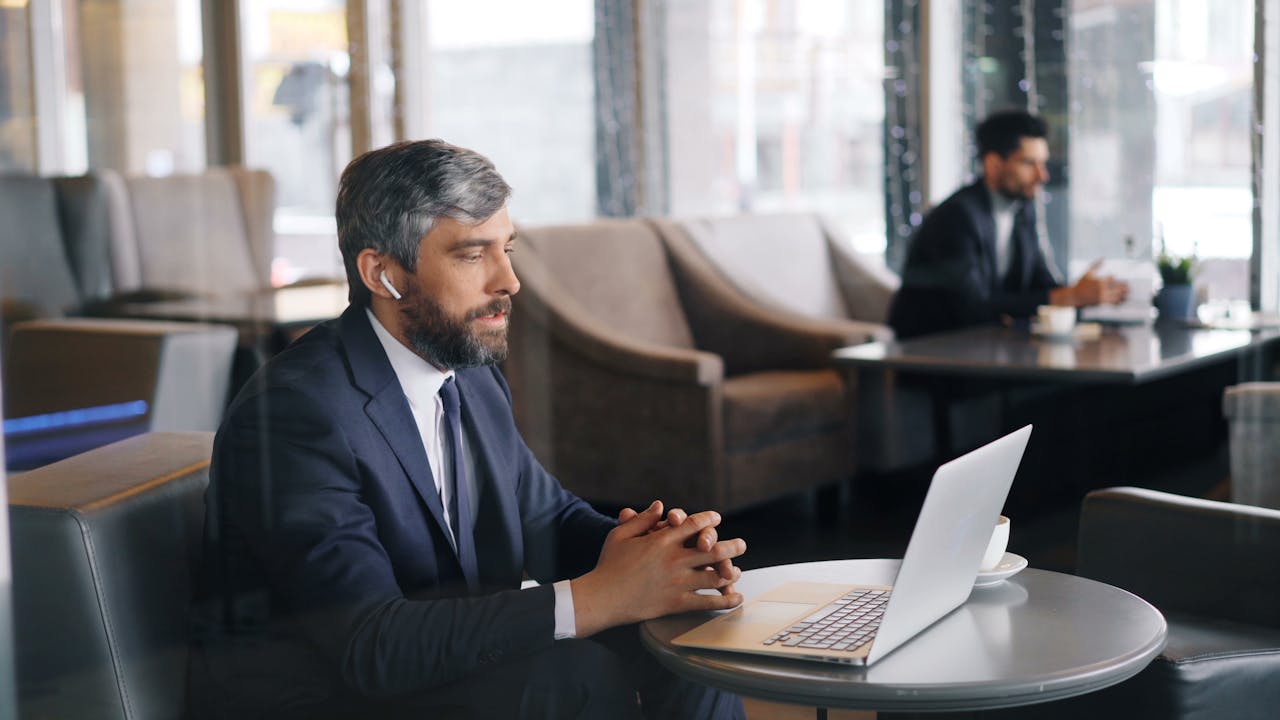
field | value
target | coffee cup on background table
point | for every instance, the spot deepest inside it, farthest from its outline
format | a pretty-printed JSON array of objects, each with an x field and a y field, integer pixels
[
  {"x": 1056, "y": 319},
  {"x": 995, "y": 549}
]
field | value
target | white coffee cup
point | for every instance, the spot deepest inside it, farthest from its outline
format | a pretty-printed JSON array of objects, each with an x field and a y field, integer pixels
[
  {"x": 995, "y": 548},
  {"x": 1056, "y": 319}
]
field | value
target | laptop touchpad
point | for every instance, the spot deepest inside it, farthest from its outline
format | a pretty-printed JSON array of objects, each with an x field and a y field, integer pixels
[{"x": 772, "y": 613}]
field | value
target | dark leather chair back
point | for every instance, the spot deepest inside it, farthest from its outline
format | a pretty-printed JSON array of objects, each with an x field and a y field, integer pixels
[
  {"x": 104, "y": 545},
  {"x": 55, "y": 245}
]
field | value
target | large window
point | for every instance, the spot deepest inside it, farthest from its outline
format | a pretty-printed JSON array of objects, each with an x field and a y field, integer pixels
[
  {"x": 1160, "y": 133},
  {"x": 17, "y": 105},
  {"x": 134, "y": 87},
  {"x": 298, "y": 122},
  {"x": 513, "y": 80},
  {"x": 777, "y": 106}
]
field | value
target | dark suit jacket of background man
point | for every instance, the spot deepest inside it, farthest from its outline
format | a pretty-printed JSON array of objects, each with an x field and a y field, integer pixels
[
  {"x": 950, "y": 278},
  {"x": 326, "y": 524}
]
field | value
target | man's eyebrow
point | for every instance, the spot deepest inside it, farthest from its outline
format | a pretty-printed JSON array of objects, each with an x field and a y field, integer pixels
[
  {"x": 472, "y": 242},
  {"x": 479, "y": 242}
]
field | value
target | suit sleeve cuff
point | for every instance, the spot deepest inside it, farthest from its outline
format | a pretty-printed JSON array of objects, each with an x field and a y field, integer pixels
[{"x": 566, "y": 626}]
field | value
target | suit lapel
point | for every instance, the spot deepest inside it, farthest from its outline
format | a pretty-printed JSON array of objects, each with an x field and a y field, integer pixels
[
  {"x": 388, "y": 409},
  {"x": 987, "y": 233}
]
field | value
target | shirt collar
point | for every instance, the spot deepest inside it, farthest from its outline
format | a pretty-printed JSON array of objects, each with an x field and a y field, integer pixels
[
  {"x": 1001, "y": 205},
  {"x": 419, "y": 379}
]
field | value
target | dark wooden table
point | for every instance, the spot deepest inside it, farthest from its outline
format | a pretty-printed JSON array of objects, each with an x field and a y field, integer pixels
[{"x": 1124, "y": 378}]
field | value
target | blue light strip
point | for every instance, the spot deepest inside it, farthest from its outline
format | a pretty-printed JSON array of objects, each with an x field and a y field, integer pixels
[{"x": 75, "y": 418}]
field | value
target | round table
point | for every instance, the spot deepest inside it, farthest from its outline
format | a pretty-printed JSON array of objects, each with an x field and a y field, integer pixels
[{"x": 1035, "y": 637}]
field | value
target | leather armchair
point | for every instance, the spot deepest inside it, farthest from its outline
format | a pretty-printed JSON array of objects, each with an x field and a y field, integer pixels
[
  {"x": 55, "y": 254},
  {"x": 1210, "y": 567},
  {"x": 634, "y": 378},
  {"x": 105, "y": 550}
]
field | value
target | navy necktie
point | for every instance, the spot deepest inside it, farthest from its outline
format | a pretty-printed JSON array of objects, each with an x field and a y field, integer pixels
[{"x": 460, "y": 500}]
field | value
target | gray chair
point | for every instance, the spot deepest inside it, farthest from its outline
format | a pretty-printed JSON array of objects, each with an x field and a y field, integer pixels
[
  {"x": 55, "y": 252},
  {"x": 1253, "y": 414},
  {"x": 105, "y": 547},
  {"x": 198, "y": 234},
  {"x": 1210, "y": 568},
  {"x": 635, "y": 378}
]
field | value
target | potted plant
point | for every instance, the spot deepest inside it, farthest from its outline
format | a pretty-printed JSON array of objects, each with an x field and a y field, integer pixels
[{"x": 1176, "y": 299}]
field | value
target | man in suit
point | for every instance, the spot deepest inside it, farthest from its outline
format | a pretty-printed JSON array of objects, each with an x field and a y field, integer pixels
[
  {"x": 372, "y": 507},
  {"x": 977, "y": 257}
]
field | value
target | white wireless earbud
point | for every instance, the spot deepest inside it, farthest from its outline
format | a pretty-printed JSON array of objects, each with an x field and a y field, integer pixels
[{"x": 387, "y": 284}]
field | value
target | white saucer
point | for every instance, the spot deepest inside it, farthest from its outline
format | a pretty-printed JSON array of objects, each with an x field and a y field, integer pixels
[
  {"x": 1039, "y": 331},
  {"x": 1009, "y": 566}
]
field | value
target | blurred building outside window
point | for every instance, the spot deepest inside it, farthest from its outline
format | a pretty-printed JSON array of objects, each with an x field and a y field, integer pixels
[
  {"x": 513, "y": 81},
  {"x": 1161, "y": 109},
  {"x": 17, "y": 102},
  {"x": 778, "y": 106},
  {"x": 298, "y": 123},
  {"x": 135, "y": 86}
]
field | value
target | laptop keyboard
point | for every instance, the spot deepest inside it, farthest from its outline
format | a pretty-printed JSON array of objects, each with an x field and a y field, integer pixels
[{"x": 846, "y": 624}]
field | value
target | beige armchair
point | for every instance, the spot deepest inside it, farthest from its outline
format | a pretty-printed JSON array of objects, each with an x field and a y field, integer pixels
[
  {"x": 637, "y": 379},
  {"x": 796, "y": 261},
  {"x": 799, "y": 263}
]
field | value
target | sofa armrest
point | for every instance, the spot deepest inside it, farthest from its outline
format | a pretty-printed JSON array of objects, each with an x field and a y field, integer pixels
[
  {"x": 1182, "y": 554},
  {"x": 182, "y": 370},
  {"x": 868, "y": 289},
  {"x": 751, "y": 336},
  {"x": 562, "y": 317}
]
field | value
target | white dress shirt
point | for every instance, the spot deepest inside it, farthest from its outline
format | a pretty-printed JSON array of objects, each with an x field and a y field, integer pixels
[
  {"x": 1005, "y": 210},
  {"x": 421, "y": 382}
]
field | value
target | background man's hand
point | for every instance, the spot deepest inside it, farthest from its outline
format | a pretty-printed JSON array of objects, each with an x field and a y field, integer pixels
[
  {"x": 1091, "y": 289},
  {"x": 650, "y": 567}
]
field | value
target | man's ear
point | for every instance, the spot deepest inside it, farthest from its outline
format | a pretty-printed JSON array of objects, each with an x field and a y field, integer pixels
[{"x": 372, "y": 266}]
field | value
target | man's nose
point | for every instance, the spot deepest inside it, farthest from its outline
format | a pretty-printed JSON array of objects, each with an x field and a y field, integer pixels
[{"x": 504, "y": 281}]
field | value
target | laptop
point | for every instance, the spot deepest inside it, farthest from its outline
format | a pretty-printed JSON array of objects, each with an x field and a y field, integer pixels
[{"x": 859, "y": 624}]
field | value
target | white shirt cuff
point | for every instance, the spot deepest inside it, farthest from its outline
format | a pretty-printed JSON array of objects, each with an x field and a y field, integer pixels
[{"x": 566, "y": 626}]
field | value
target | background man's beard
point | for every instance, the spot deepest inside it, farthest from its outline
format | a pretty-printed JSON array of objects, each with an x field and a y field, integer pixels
[{"x": 448, "y": 343}]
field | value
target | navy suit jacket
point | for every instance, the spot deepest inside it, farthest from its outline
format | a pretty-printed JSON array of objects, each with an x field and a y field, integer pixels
[
  {"x": 333, "y": 569},
  {"x": 950, "y": 278}
]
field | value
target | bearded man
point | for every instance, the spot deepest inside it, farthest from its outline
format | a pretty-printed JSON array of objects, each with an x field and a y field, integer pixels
[
  {"x": 372, "y": 508},
  {"x": 977, "y": 257}
]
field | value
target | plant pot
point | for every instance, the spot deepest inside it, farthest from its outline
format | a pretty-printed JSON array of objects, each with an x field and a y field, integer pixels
[{"x": 1176, "y": 302}]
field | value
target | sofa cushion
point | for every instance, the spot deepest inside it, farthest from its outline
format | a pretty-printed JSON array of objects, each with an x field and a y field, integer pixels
[
  {"x": 618, "y": 271},
  {"x": 781, "y": 258},
  {"x": 766, "y": 408}
]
